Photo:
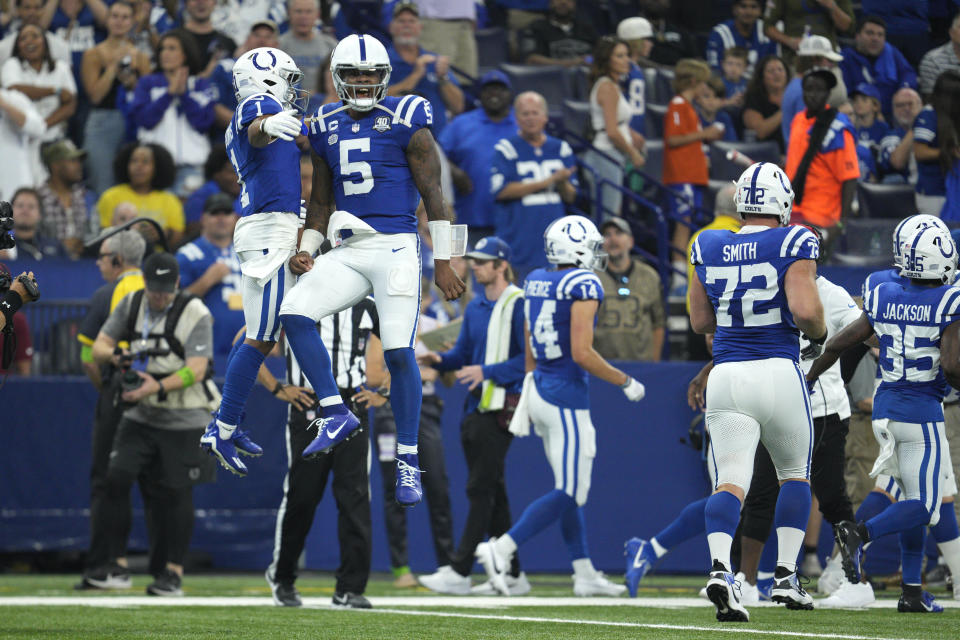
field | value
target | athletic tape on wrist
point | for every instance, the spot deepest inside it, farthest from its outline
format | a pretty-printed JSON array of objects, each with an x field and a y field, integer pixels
[{"x": 310, "y": 241}]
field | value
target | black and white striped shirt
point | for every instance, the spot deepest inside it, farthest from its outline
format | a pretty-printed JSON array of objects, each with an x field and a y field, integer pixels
[{"x": 345, "y": 336}]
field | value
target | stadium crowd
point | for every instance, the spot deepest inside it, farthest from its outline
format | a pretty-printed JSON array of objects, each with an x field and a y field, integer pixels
[{"x": 635, "y": 112}]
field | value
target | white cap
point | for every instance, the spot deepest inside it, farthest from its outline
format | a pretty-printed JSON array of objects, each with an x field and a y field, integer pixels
[
  {"x": 634, "y": 29},
  {"x": 818, "y": 46}
]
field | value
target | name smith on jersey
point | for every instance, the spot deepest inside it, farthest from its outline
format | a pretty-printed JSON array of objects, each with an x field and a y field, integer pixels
[
  {"x": 739, "y": 252},
  {"x": 907, "y": 312}
]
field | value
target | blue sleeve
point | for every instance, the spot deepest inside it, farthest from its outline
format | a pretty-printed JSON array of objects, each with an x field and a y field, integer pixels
[
  {"x": 586, "y": 286},
  {"x": 198, "y": 105},
  {"x": 147, "y": 113},
  {"x": 503, "y": 171},
  {"x": 414, "y": 114},
  {"x": 188, "y": 269},
  {"x": 715, "y": 51},
  {"x": 906, "y": 74},
  {"x": 925, "y": 127},
  {"x": 511, "y": 370},
  {"x": 459, "y": 355},
  {"x": 256, "y": 106},
  {"x": 193, "y": 207},
  {"x": 809, "y": 247}
]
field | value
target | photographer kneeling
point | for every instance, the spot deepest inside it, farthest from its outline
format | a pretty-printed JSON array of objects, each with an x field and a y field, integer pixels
[{"x": 170, "y": 395}]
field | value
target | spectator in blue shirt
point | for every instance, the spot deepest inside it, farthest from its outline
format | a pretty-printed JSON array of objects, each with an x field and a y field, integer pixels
[
  {"x": 931, "y": 189},
  {"x": 494, "y": 373},
  {"x": 744, "y": 30},
  {"x": 897, "y": 164},
  {"x": 210, "y": 269},
  {"x": 638, "y": 34},
  {"x": 709, "y": 104},
  {"x": 872, "y": 59},
  {"x": 418, "y": 71},
  {"x": 468, "y": 143},
  {"x": 263, "y": 33},
  {"x": 908, "y": 25},
  {"x": 870, "y": 129},
  {"x": 220, "y": 177}
]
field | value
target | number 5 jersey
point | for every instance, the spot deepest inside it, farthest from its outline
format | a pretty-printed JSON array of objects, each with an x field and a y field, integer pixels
[
  {"x": 368, "y": 159},
  {"x": 743, "y": 276}
]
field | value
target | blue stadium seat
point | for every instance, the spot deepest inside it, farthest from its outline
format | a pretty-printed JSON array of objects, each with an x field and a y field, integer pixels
[
  {"x": 865, "y": 242},
  {"x": 553, "y": 83},
  {"x": 886, "y": 200},
  {"x": 723, "y": 169},
  {"x": 576, "y": 116},
  {"x": 654, "y": 120},
  {"x": 492, "y": 48}
]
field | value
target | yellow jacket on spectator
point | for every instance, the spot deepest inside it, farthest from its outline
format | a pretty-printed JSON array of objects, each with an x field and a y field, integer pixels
[
  {"x": 722, "y": 222},
  {"x": 162, "y": 206}
]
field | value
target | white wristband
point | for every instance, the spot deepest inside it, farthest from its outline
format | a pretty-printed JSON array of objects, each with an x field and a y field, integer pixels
[
  {"x": 440, "y": 236},
  {"x": 310, "y": 241}
]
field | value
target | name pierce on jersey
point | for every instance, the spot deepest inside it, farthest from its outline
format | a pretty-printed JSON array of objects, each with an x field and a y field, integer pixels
[
  {"x": 739, "y": 252},
  {"x": 907, "y": 312}
]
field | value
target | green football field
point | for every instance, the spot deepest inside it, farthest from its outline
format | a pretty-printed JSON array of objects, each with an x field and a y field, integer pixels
[{"x": 239, "y": 606}]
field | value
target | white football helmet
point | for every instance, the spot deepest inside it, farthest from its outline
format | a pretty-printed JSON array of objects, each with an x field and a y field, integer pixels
[
  {"x": 269, "y": 70},
  {"x": 909, "y": 226},
  {"x": 574, "y": 240},
  {"x": 364, "y": 53},
  {"x": 929, "y": 254},
  {"x": 764, "y": 189}
]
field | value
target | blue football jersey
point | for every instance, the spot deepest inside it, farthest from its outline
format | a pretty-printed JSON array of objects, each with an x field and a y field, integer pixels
[
  {"x": 548, "y": 298},
  {"x": 270, "y": 175},
  {"x": 743, "y": 277},
  {"x": 909, "y": 320},
  {"x": 633, "y": 86},
  {"x": 521, "y": 222},
  {"x": 368, "y": 159}
]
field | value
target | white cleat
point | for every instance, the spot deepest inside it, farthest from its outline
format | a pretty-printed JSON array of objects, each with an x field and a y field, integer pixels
[
  {"x": 494, "y": 564},
  {"x": 598, "y": 585},
  {"x": 849, "y": 596},
  {"x": 518, "y": 586},
  {"x": 749, "y": 594},
  {"x": 832, "y": 576},
  {"x": 446, "y": 580},
  {"x": 787, "y": 590},
  {"x": 723, "y": 591}
]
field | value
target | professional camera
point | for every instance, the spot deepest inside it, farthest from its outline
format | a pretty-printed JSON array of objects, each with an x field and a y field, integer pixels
[
  {"x": 6, "y": 226},
  {"x": 129, "y": 379}
]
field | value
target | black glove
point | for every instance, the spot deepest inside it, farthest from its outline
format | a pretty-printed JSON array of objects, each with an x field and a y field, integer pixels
[{"x": 813, "y": 350}]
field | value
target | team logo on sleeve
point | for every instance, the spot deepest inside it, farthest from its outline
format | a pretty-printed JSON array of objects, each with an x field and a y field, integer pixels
[{"x": 381, "y": 124}]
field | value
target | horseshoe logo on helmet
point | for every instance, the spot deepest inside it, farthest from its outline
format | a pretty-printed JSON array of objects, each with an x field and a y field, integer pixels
[{"x": 273, "y": 61}]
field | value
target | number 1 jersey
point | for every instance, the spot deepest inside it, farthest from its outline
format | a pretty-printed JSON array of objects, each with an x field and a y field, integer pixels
[
  {"x": 548, "y": 300},
  {"x": 368, "y": 159},
  {"x": 909, "y": 320},
  {"x": 743, "y": 276}
]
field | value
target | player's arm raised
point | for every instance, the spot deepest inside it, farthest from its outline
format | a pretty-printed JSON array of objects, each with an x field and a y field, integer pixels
[
  {"x": 267, "y": 128},
  {"x": 582, "y": 315},
  {"x": 425, "y": 169},
  {"x": 319, "y": 209}
]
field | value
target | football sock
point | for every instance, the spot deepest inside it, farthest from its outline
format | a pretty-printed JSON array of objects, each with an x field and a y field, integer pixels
[
  {"x": 406, "y": 393},
  {"x": 540, "y": 514},
  {"x": 947, "y": 536},
  {"x": 790, "y": 521},
  {"x": 583, "y": 568},
  {"x": 313, "y": 357},
  {"x": 911, "y": 553},
  {"x": 688, "y": 524},
  {"x": 240, "y": 378},
  {"x": 574, "y": 530},
  {"x": 505, "y": 545},
  {"x": 872, "y": 505},
  {"x": 901, "y": 516},
  {"x": 721, "y": 515},
  {"x": 234, "y": 349}
]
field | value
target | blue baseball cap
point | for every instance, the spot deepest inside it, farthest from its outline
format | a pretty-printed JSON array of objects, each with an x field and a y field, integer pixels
[
  {"x": 866, "y": 89},
  {"x": 491, "y": 248},
  {"x": 491, "y": 77}
]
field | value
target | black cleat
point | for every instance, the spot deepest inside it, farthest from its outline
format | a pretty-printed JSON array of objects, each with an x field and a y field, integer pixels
[
  {"x": 915, "y": 600},
  {"x": 167, "y": 583},
  {"x": 351, "y": 601},
  {"x": 285, "y": 594},
  {"x": 787, "y": 590},
  {"x": 849, "y": 540},
  {"x": 723, "y": 590}
]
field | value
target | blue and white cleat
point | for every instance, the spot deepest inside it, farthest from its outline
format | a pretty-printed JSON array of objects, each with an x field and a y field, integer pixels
[
  {"x": 244, "y": 445},
  {"x": 332, "y": 429},
  {"x": 409, "y": 491},
  {"x": 640, "y": 558},
  {"x": 723, "y": 590},
  {"x": 915, "y": 600},
  {"x": 223, "y": 450}
]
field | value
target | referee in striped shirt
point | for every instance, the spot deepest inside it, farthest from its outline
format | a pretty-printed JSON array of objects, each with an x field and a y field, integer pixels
[{"x": 353, "y": 338}]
